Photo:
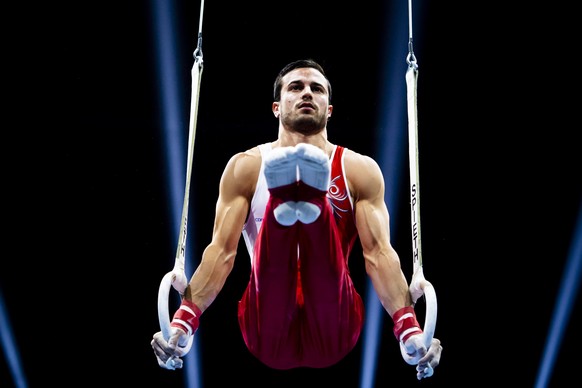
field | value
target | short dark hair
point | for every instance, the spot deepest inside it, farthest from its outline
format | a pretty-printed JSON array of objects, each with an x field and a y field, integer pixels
[{"x": 301, "y": 63}]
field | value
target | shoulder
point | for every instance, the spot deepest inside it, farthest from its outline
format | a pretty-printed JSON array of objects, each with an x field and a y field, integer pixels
[
  {"x": 245, "y": 162},
  {"x": 359, "y": 160},
  {"x": 242, "y": 171},
  {"x": 361, "y": 165},
  {"x": 363, "y": 174}
]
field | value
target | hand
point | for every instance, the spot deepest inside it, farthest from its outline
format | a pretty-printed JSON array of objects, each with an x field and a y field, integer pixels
[
  {"x": 425, "y": 360},
  {"x": 168, "y": 353}
]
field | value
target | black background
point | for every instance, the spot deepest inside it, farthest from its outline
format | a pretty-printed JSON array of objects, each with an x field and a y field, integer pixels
[{"x": 88, "y": 234}]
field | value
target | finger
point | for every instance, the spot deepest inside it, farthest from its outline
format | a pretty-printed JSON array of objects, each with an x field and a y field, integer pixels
[
  {"x": 159, "y": 337},
  {"x": 160, "y": 344},
  {"x": 426, "y": 368},
  {"x": 158, "y": 348},
  {"x": 428, "y": 371},
  {"x": 162, "y": 363},
  {"x": 179, "y": 352},
  {"x": 174, "y": 363},
  {"x": 177, "y": 337},
  {"x": 163, "y": 354},
  {"x": 424, "y": 371}
]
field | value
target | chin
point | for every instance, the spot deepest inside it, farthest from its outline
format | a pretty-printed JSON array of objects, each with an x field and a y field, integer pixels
[{"x": 308, "y": 126}]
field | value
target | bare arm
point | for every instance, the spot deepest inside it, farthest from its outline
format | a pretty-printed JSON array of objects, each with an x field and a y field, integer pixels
[
  {"x": 236, "y": 190},
  {"x": 381, "y": 260},
  {"x": 372, "y": 219},
  {"x": 237, "y": 185}
]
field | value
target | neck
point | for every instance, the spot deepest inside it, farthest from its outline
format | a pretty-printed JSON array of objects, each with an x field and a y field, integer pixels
[{"x": 290, "y": 138}]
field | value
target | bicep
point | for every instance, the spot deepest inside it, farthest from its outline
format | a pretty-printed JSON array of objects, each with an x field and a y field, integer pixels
[
  {"x": 218, "y": 257},
  {"x": 372, "y": 217},
  {"x": 381, "y": 260},
  {"x": 372, "y": 220},
  {"x": 229, "y": 220},
  {"x": 232, "y": 206}
]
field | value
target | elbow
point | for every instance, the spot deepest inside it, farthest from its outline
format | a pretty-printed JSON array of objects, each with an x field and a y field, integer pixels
[
  {"x": 228, "y": 259},
  {"x": 371, "y": 263},
  {"x": 226, "y": 255},
  {"x": 380, "y": 260}
]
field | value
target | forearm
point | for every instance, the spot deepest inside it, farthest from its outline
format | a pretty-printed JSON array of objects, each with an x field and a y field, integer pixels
[
  {"x": 218, "y": 257},
  {"x": 210, "y": 276},
  {"x": 388, "y": 281}
]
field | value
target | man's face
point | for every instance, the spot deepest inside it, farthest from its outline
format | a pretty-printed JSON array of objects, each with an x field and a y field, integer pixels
[{"x": 304, "y": 105}]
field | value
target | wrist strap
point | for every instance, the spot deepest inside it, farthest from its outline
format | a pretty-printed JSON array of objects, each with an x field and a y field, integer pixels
[
  {"x": 405, "y": 324},
  {"x": 187, "y": 317}
]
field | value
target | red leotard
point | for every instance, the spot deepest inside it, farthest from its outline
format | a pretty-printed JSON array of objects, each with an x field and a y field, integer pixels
[{"x": 300, "y": 308}]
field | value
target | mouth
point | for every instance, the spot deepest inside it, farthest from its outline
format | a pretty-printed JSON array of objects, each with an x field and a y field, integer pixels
[{"x": 306, "y": 105}]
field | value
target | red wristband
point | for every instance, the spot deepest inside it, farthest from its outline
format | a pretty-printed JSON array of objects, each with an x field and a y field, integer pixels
[
  {"x": 405, "y": 324},
  {"x": 187, "y": 317}
]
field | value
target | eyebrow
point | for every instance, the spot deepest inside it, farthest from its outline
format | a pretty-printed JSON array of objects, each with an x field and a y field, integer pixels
[{"x": 302, "y": 82}]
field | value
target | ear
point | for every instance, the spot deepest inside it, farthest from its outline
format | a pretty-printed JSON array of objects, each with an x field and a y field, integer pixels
[
  {"x": 329, "y": 110},
  {"x": 275, "y": 109}
]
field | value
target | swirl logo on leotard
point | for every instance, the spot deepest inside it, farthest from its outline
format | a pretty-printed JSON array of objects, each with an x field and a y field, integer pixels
[{"x": 337, "y": 196}]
